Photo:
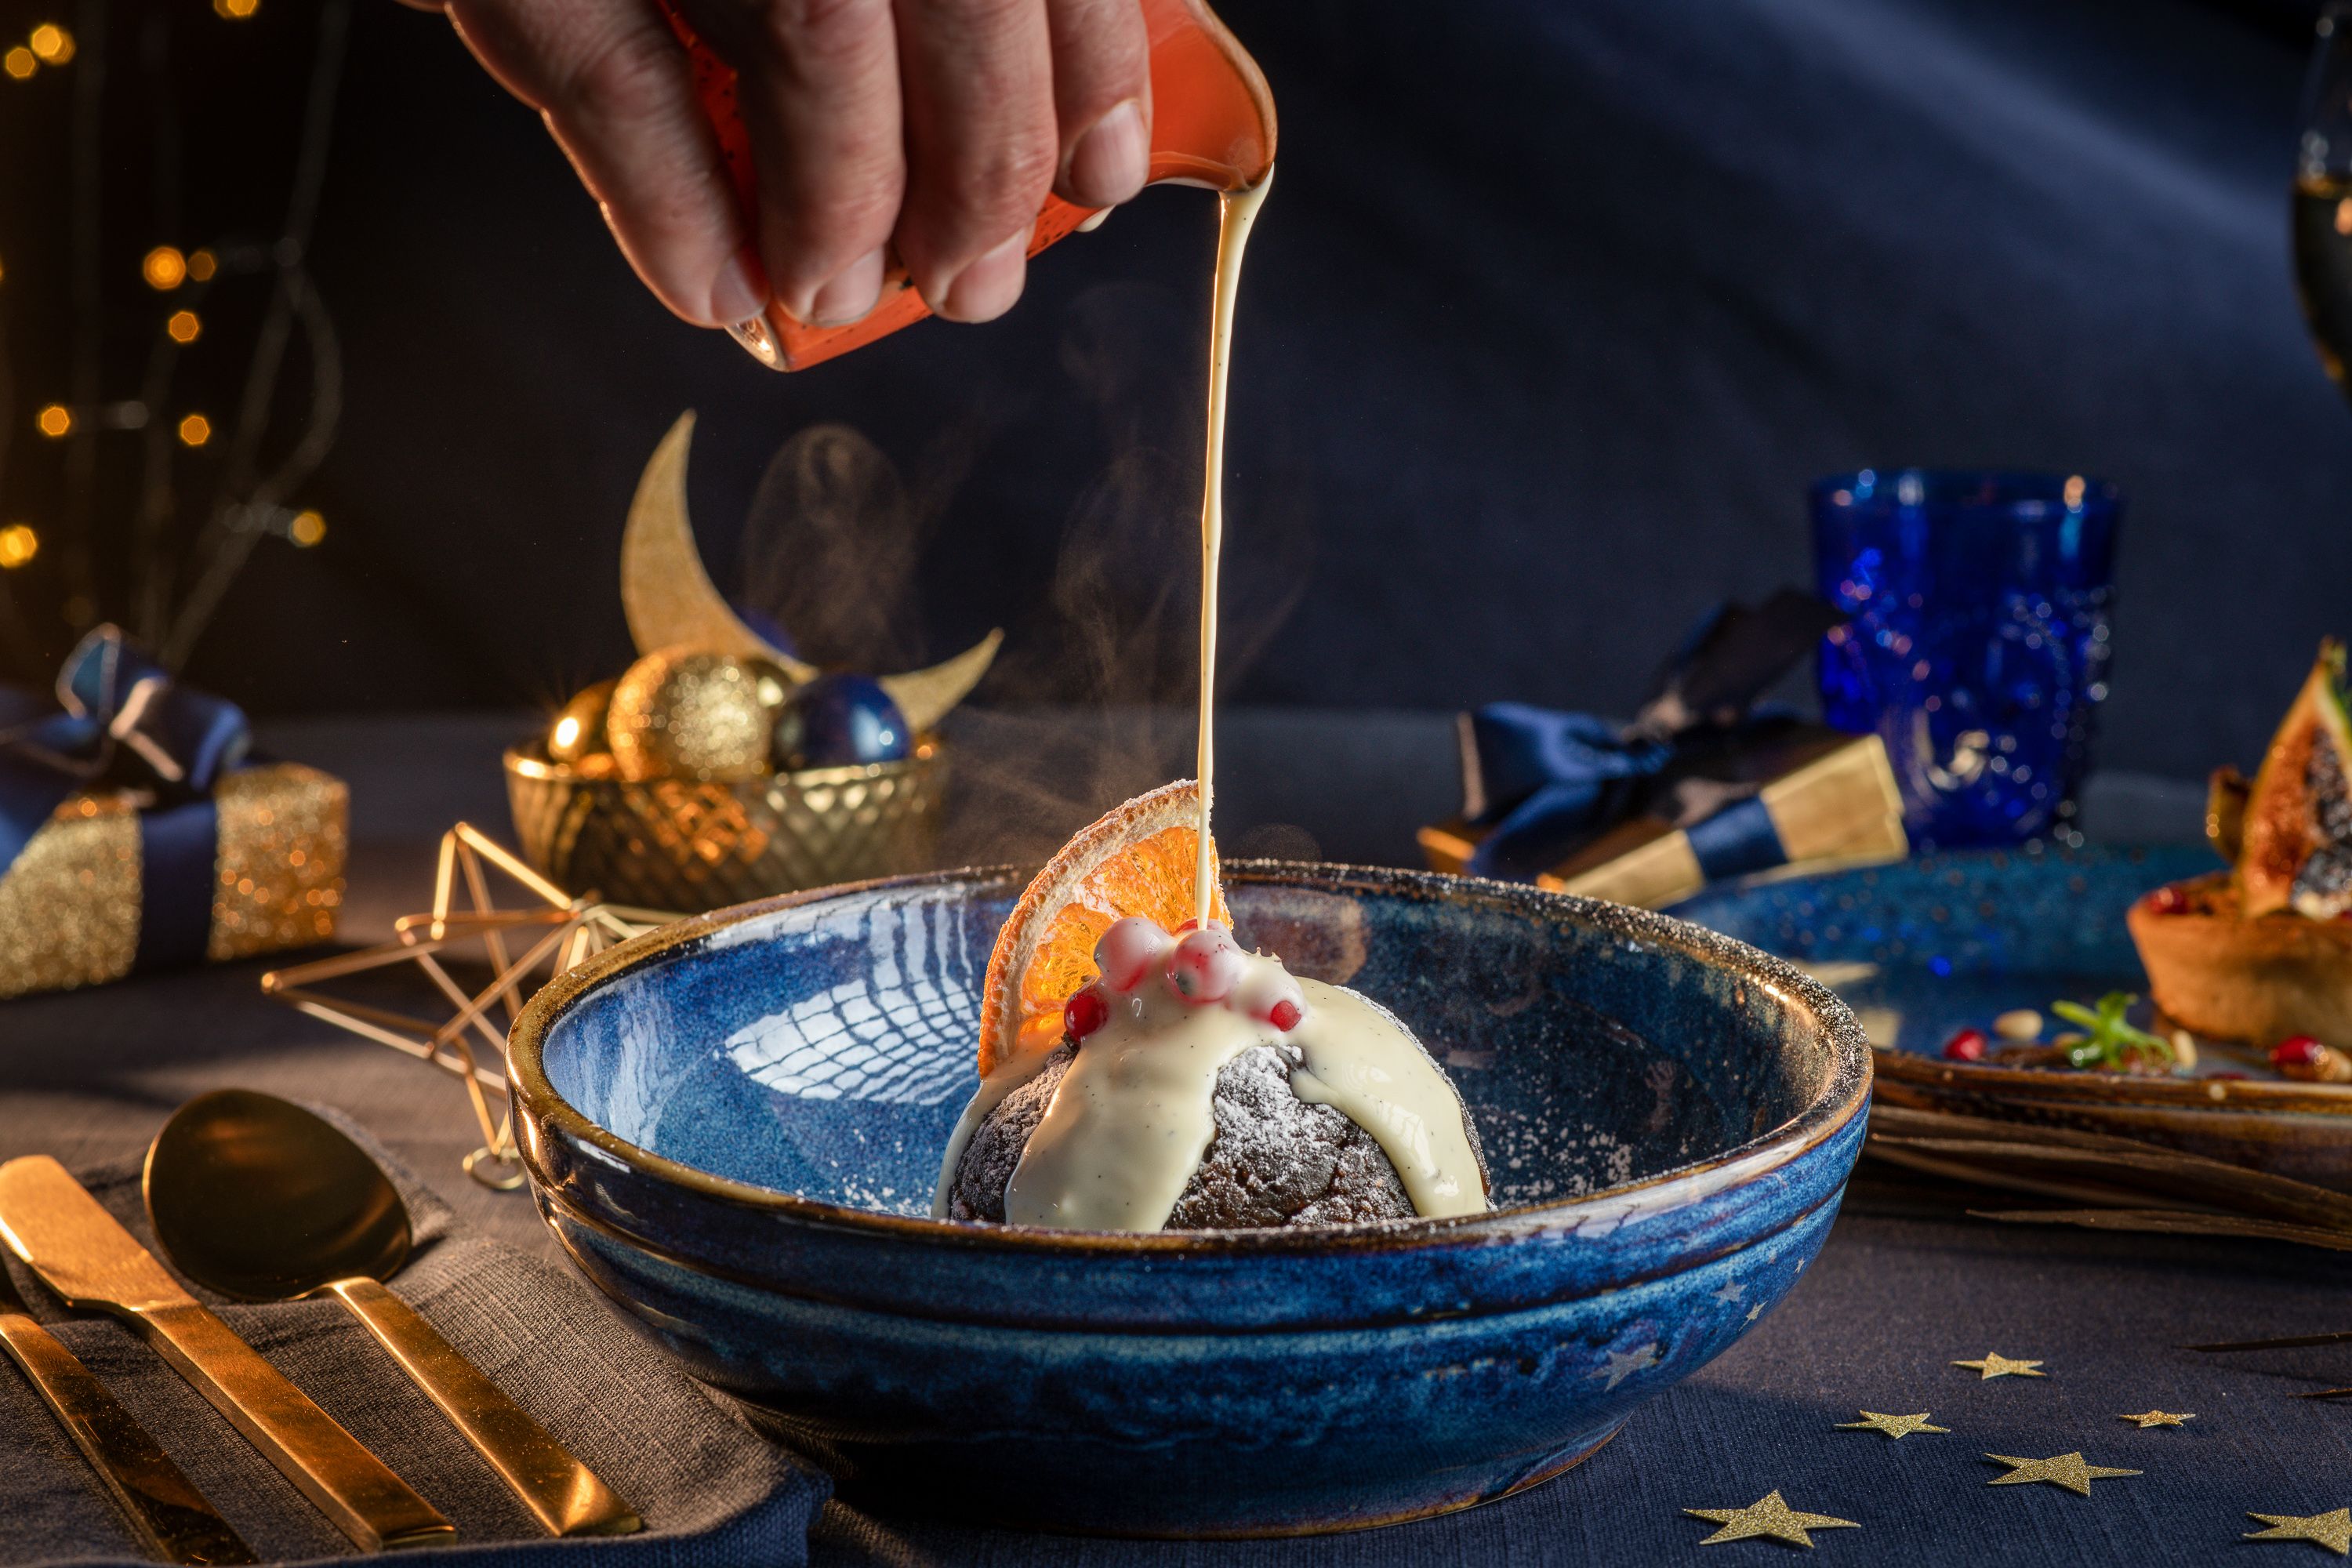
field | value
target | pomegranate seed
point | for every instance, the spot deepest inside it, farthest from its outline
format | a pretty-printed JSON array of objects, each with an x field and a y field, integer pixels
[
  {"x": 1084, "y": 1013},
  {"x": 1967, "y": 1045},
  {"x": 2167, "y": 900},
  {"x": 1264, "y": 990},
  {"x": 2296, "y": 1051},
  {"x": 1206, "y": 965},
  {"x": 1128, "y": 949}
]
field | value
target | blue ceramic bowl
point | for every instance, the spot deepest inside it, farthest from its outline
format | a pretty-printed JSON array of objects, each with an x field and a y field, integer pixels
[{"x": 734, "y": 1125}]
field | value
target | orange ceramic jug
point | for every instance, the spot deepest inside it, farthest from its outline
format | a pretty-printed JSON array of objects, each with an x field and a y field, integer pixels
[{"x": 1212, "y": 124}]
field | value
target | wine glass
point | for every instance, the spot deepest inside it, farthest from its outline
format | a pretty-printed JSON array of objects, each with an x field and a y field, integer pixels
[{"x": 2323, "y": 192}]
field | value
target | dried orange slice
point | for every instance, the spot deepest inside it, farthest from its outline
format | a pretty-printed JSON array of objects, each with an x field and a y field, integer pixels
[{"x": 1140, "y": 860}]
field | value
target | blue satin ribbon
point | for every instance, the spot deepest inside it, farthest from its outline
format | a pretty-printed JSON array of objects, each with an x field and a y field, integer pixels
[
  {"x": 121, "y": 721},
  {"x": 1546, "y": 784},
  {"x": 1552, "y": 782}
]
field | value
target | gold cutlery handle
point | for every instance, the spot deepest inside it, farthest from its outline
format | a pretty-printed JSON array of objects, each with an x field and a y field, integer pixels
[
  {"x": 565, "y": 1495},
  {"x": 328, "y": 1465},
  {"x": 170, "y": 1517}
]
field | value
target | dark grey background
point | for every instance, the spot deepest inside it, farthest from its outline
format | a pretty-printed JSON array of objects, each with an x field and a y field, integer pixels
[{"x": 1556, "y": 310}]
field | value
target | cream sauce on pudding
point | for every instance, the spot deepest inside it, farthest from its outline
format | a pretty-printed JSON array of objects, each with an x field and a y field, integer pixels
[{"x": 1135, "y": 1112}]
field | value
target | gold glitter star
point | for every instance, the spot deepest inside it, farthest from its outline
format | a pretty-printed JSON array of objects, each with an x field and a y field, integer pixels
[
  {"x": 1893, "y": 1425},
  {"x": 2065, "y": 1470},
  {"x": 1770, "y": 1517},
  {"x": 1998, "y": 1365},
  {"x": 2146, "y": 1418},
  {"x": 2332, "y": 1531}
]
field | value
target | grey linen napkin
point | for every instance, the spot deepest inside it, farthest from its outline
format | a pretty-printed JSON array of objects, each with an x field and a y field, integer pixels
[{"x": 713, "y": 1494}]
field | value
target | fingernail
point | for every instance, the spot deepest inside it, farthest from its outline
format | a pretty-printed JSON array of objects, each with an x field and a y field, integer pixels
[
  {"x": 1110, "y": 162},
  {"x": 986, "y": 289},
  {"x": 741, "y": 291},
  {"x": 850, "y": 294}
]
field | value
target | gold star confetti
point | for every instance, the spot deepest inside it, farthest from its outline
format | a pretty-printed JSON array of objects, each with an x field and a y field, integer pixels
[
  {"x": 2066, "y": 1470},
  {"x": 1897, "y": 1427},
  {"x": 2332, "y": 1531},
  {"x": 2146, "y": 1418},
  {"x": 1770, "y": 1517},
  {"x": 1998, "y": 1365}
]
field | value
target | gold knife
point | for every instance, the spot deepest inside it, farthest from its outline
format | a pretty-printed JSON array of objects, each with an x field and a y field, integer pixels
[
  {"x": 83, "y": 1253},
  {"x": 170, "y": 1515}
]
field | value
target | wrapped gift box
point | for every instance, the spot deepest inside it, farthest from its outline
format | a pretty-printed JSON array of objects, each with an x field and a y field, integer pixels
[
  {"x": 1803, "y": 799},
  {"x": 77, "y": 908},
  {"x": 135, "y": 833}
]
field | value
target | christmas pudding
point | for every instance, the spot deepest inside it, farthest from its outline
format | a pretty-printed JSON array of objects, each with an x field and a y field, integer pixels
[{"x": 1140, "y": 1070}]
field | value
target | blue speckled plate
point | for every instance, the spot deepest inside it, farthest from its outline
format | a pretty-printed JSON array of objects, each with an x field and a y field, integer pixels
[{"x": 1922, "y": 949}]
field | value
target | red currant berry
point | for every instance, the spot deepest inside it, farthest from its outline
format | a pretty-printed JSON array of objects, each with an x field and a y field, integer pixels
[
  {"x": 1084, "y": 1013},
  {"x": 1967, "y": 1045},
  {"x": 2296, "y": 1051},
  {"x": 1265, "y": 991},
  {"x": 1128, "y": 949},
  {"x": 1206, "y": 965},
  {"x": 2167, "y": 900}
]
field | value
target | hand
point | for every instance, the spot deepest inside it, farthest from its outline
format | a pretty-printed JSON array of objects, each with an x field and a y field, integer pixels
[{"x": 933, "y": 127}]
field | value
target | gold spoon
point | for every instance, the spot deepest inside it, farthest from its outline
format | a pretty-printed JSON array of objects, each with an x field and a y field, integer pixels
[{"x": 259, "y": 1199}]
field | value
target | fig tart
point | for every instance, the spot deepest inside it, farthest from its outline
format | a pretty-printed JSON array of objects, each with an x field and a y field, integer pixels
[{"x": 2262, "y": 952}]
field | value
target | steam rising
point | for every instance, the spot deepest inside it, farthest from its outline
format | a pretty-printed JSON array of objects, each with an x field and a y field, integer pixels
[{"x": 1090, "y": 702}]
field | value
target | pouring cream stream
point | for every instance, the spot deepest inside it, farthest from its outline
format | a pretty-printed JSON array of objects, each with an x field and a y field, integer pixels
[{"x": 1236, "y": 212}]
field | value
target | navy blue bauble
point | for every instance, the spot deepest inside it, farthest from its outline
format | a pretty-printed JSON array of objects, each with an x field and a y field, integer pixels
[{"x": 839, "y": 721}]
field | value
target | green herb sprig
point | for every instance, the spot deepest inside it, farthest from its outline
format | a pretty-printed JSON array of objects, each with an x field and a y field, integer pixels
[{"x": 2108, "y": 1039}]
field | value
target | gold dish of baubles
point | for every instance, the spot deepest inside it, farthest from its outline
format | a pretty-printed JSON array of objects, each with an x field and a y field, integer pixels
[{"x": 682, "y": 784}]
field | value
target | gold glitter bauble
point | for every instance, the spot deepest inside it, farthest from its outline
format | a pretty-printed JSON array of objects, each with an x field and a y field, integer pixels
[
  {"x": 681, "y": 714},
  {"x": 578, "y": 729}
]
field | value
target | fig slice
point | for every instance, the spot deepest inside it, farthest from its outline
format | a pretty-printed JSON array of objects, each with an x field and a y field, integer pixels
[{"x": 2295, "y": 849}]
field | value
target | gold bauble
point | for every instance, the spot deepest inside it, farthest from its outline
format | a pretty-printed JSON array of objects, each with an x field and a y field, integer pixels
[
  {"x": 683, "y": 714},
  {"x": 579, "y": 730}
]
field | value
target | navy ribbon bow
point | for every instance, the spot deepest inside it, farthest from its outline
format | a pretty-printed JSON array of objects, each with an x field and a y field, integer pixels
[
  {"x": 1546, "y": 783},
  {"x": 119, "y": 722}
]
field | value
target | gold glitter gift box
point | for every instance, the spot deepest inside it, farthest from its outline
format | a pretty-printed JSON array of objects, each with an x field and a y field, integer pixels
[{"x": 73, "y": 903}]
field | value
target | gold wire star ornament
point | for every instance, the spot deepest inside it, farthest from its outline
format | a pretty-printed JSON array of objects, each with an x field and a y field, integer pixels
[
  {"x": 1768, "y": 1517},
  {"x": 1997, "y": 1366},
  {"x": 2147, "y": 1419},
  {"x": 2332, "y": 1531},
  {"x": 562, "y": 933},
  {"x": 2066, "y": 1470},
  {"x": 1895, "y": 1426}
]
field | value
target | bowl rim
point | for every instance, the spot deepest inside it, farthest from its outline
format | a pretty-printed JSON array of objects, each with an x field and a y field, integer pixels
[{"x": 1844, "y": 1092}]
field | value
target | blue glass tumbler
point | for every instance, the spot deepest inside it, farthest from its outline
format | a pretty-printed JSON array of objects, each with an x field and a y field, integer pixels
[{"x": 1979, "y": 644}]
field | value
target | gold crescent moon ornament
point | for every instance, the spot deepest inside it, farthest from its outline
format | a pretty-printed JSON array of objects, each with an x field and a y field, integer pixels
[
  {"x": 668, "y": 598},
  {"x": 671, "y": 603}
]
